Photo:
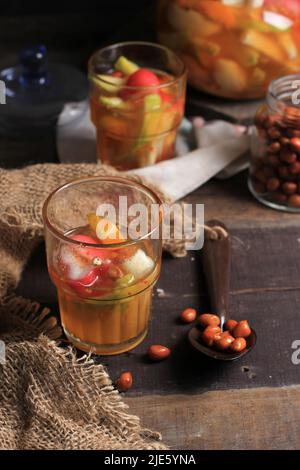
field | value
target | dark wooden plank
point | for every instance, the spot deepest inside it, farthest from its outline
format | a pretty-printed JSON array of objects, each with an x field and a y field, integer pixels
[
  {"x": 232, "y": 202},
  {"x": 265, "y": 289},
  {"x": 255, "y": 419}
]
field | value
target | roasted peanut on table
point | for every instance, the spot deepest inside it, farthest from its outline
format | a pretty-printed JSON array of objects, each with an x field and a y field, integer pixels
[
  {"x": 157, "y": 352},
  {"x": 124, "y": 382},
  {"x": 188, "y": 315}
]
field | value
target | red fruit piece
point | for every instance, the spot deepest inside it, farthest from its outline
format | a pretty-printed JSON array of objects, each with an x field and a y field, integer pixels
[
  {"x": 167, "y": 98},
  {"x": 88, "y": 251},
  {"x": 87, "y": 281},
  {"x": 117, "y": 73},
  {"x": 143, "y": 78},
  {"x": 96, "y": 283}
]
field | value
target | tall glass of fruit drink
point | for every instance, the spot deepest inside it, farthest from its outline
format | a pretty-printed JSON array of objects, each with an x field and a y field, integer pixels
[
  {"x": 137, "y": 96},
  {"x": 104, "y": 277}
]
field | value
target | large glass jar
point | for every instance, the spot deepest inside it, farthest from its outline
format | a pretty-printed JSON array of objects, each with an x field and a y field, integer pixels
[
  {"x": 274, "y": 177},
  {"x": 233, "y": 48}
]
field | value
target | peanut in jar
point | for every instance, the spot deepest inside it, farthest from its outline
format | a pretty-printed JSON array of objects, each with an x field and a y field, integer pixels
[{"x": 274, "y": 176}]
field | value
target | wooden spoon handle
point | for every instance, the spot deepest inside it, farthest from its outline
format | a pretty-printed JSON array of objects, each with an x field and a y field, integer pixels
[{"x": 215, "y": 257}]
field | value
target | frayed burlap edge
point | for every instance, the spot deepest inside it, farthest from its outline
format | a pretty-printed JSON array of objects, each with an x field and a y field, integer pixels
[{"x": 29, "y": 331}]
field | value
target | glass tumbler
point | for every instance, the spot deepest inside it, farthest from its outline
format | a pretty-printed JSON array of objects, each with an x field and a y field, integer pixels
[
  {"x": 137, "y": 97},
  {"x": 103, "y": 262}
]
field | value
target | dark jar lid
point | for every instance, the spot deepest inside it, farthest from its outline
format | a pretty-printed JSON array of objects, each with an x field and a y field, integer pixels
[{"x": 35, "y": 92}]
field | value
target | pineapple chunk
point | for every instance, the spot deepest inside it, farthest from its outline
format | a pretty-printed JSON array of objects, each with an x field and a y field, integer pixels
[
  {"x": 139, "y": 264},
  {"x": 246, "y": 56},
  {"x": 229, "y": 76},
  {"x": 190, "y": 21},
  {"x": 263, "y": 44},
  {"x": 126, "y": 66},
  {"x": 258, "y": 77},
  {"x": 210, "y": 47}
]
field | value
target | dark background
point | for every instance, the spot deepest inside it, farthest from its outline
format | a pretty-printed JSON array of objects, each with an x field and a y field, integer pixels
[
  {"x": 72, "y": 30},
  {"x": 32, "y": 7}
]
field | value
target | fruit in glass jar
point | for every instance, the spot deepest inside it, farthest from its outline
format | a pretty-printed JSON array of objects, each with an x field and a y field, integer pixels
[
  {"x": 229, "y": 76},
  {"x": 190, "y": 21},
  {"x": 261, "y": 39}
]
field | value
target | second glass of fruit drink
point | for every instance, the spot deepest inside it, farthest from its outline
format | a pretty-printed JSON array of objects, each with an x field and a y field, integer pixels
[
  {"x": 137, "y": 97},
  {"x": 104, "y": 277}
]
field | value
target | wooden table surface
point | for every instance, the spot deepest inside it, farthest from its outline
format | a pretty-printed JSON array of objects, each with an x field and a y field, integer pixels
[{"x": 256, "y": 403}]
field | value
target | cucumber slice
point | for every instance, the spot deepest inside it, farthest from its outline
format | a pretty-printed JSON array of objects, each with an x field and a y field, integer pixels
[
  {"x": 126, "y": 66},
  {"x": 109, "y": 83},
  {"x": 113, "y": 102},
  {"x": 125, "y": 281},
  {"x": 150, "y": 127},
  {"x": 152, "y": 102},
  {"x": 152, "y": 105}
]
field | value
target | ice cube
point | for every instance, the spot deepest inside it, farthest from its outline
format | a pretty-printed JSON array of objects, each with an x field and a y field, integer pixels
[
  {"x": 70, "y": 263},
  {"x": 139, "y": 264}
]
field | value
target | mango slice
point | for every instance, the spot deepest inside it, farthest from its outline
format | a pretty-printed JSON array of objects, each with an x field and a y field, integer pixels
[
  {"x": 218, "y": 13},
  {"x": 210, "y": 47},
  {"x": 246, "y": 56},
  {"x": 229, "y": 76},
  {"x": 263, "y": 44},
  {"x": 190, "y": 21},
  {"x": 126, "y": 66},
  {"x": 234, "y": 3},
  {"x": 258, "y": 77},
  {"x": 287, "y": 43},
  {"x": 106, "y": 230}
]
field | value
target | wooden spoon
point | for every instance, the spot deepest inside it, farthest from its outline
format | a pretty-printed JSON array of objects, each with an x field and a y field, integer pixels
[{"x": 216, "y": 261}]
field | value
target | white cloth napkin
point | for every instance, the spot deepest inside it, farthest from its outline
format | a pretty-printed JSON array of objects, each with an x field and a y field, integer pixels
[{"x": 204, "y": 150}]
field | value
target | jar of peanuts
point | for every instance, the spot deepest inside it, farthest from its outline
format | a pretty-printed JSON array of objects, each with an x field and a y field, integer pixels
[{"x": 274, "y": 177}]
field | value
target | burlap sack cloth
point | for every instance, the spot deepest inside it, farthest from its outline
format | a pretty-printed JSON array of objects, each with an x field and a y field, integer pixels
[{"x": 48, "y": 398}]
